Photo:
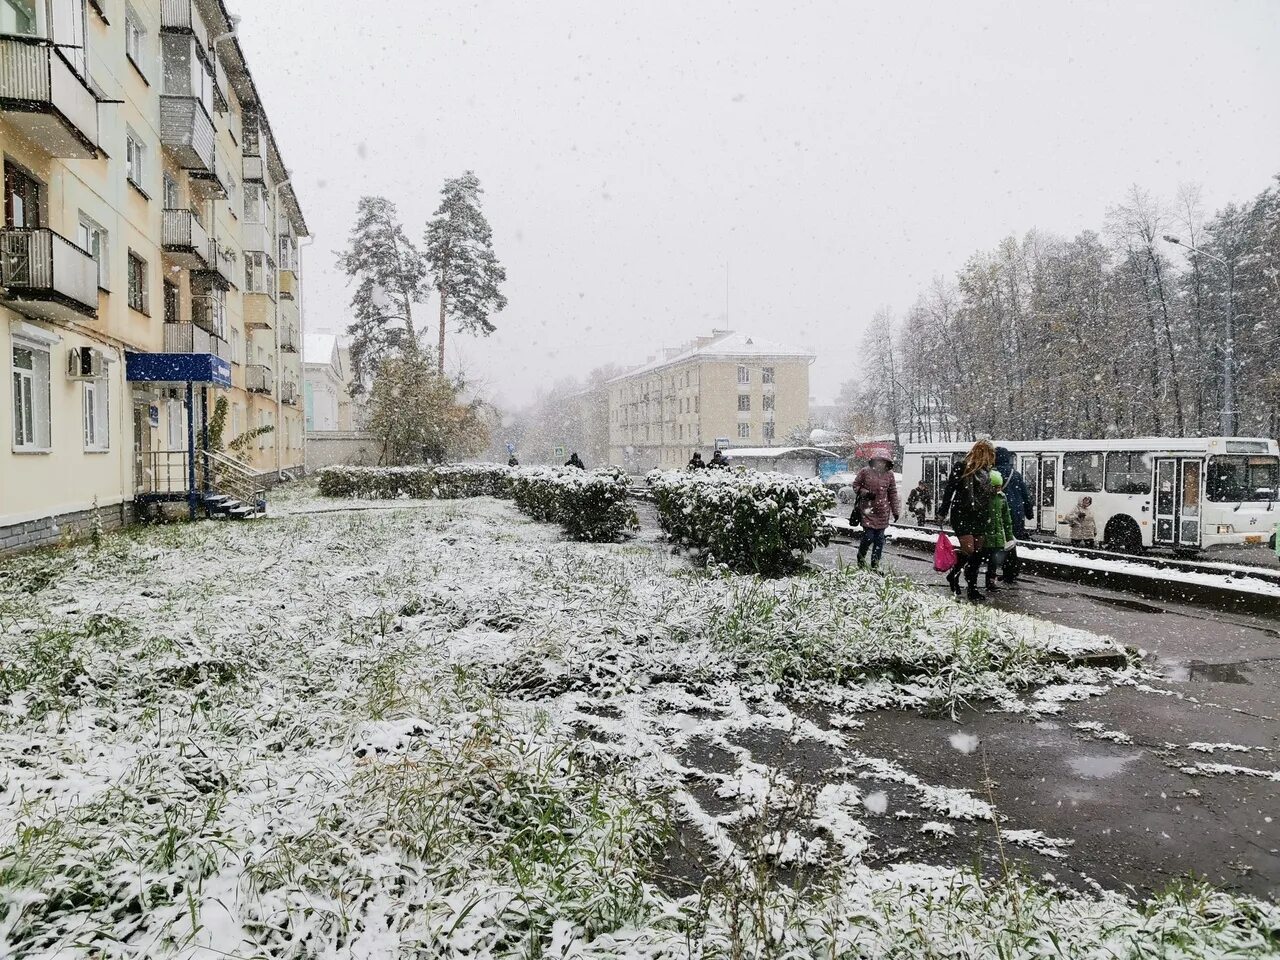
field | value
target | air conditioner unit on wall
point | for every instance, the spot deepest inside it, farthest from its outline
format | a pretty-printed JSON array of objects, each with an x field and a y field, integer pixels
[{"x": 86, "y": 363}]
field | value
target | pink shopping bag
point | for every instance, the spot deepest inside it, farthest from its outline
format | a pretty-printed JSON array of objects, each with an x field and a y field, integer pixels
[{"x": 944, "y": 554}]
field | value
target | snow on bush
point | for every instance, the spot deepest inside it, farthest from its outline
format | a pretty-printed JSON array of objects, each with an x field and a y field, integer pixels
[
  {"x": 750, "y": 522},
  {"x": 591, "y": 506},
  {"x": 444, "y": 482}
]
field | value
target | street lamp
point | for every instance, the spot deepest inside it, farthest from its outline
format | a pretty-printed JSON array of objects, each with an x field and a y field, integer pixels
[{"x": 1229, "y": 347}]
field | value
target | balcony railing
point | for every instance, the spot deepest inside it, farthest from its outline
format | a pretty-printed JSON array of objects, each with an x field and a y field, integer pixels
[
  {"x": 221, "y": 266},
  {"x": 188, "y": 338},
  {"x": 257, "y": 378},
  {"x": 185, "y": 240},
  {"x": 181, "y": 16},
  {"x": 288, "y": 338},
  {"x": 187, "y": 130},
  {"x": 289, "y": 393},
  {"x": 46, "y": 275},
  {"x": 44, "y": 98}
]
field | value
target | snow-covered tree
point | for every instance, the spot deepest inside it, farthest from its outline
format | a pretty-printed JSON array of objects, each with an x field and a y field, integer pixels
[
  {"x": 465, "y": 271},
  {"x": 390, "y": 277},
  {"x": 418, "y": 415}
]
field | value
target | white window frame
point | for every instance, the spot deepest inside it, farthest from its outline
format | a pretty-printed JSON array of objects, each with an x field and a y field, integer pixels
[
  {"x": 768, "y": 401},
  {"x": 135, "y": 158},
  {"x": 767, "y": 431},
  {"x": 96, "y": 407},
  {"x": 766, "y": 374},
  {"x": 744, "y": 374},
  {"x": 176, "y": 425},
  {"x": 145, "y": 299},
  {"x": 88, "y": 230},
  {"x": 135, "y": 37},
  {"x": 744, "y": 431},
  {"x": 744, "y": 403},
  {"x": 31, "y": 390}
]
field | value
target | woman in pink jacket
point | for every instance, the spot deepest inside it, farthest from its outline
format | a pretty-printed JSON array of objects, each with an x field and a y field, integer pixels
[{"x": 875, "y": 492}]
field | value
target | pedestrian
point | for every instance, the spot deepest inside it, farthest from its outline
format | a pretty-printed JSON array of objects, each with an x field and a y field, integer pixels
[
  {"x": 1021, "y": 506},
  {"x": 967, "y": 500},
  {"x": 695, "y": 462},
  {"x": 575, "y": 461},
  {"x": 876, "y": 491},
  {"x": 998, "y": 534},
  {"x": 718, "y": 461},
  {"x": 1084, "y": 529},
  {"x": 512, "y": 461},
  {"x": 918, "y": 502}
]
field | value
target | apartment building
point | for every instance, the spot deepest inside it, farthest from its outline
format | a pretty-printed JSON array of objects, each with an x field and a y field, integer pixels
[
  {"x": 149, "y": 261},
  {"x": 724, "y": 390}
]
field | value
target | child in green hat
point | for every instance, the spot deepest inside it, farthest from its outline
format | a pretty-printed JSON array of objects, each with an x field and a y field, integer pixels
[{"x": 998, "y": 536}]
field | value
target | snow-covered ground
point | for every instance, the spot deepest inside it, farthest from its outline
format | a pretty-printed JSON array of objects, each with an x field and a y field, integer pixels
[{"x": 436, "y": 729}]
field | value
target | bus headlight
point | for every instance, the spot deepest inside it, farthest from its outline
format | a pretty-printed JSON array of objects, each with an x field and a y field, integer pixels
[{"x": 1226, "y": 528}]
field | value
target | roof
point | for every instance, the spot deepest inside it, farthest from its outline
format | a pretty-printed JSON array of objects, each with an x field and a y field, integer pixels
[
  {"x": 775, "y": 453},
  {"x": 319, "y": 347},
  {"x": 725, "y": 345}
]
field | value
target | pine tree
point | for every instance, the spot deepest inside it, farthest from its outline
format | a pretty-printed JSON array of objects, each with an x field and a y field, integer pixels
[
  {"x": 464, "y": 270},
  {"x": 390, "y": 277}
]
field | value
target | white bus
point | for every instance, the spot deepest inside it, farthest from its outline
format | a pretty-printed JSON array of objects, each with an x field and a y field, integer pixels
[{"x": 1183, "y": 495}]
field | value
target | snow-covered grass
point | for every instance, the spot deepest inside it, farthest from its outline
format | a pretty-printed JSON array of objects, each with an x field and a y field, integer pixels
[{"x": 441, "y": 731}]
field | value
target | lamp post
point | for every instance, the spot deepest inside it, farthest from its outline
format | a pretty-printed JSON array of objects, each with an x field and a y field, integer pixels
[{"x": 1229, "y": 346}]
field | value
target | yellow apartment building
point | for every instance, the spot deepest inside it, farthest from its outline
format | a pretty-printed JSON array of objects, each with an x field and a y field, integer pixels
[
  {"x": 149, "y": 264},
  {"x": 725, "y": 390}
]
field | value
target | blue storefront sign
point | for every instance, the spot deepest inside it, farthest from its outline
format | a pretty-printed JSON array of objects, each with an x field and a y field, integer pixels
[{"x": 177, "y": 368}]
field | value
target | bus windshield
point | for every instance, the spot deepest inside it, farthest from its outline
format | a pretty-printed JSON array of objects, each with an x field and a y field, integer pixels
[{"x": 1243, "y": 479}]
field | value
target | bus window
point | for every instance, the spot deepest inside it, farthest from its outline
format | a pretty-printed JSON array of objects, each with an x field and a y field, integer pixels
[
  {"x": 1128, "y": 473},
  {"x": 1082, "y": 472},
  {"x": 1243, "y": 479}
]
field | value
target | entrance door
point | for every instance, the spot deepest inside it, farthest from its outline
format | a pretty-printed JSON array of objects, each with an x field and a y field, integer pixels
[
  {"x": 141, "y": 445},
  {"x": 1047, "y": 511},
  {"x": 1030, "y": 467},
  {"x": 1166, "y": 501},
  {"x": 1189, "y": 503}
]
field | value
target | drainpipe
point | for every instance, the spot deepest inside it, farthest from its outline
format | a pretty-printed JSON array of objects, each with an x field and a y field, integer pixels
[
  {"x": 303, "y": 243},
  {"x": 275, "y": 323}
]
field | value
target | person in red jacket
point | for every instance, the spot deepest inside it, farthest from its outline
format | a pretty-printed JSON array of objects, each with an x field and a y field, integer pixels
[{"x": 875, "y": 493}]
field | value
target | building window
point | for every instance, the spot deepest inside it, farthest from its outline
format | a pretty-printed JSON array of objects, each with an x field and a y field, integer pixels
[
  {"x": 172, "y": 198},
  {"x": 137, "y": 283},
  {"x": 134, "y": 158},
  {"x": 97, "y": 420},
  {"x": 697, "y": 404},
  {"x": 259, "y": 273},
  {"x": 744, "y": 402},
  {"x": 744, "y": 431},
  {"x": 171, "y": 310},
  {"x": 177, "y": 421},
  {"x": 768, "y": 431},
  {"x": 135, "y": 37},
  {"x": 767, "y": 400},
  {"x": 18, "y": 16},
  {"x": 235, "y": 420},
  {"x": 21, "y": 198},
  {"x": 744, "y": 375},
  {"x": 93, "y": 240},
  {"x": 30, "y": 397},
  {"x": 766, "y": 375}
]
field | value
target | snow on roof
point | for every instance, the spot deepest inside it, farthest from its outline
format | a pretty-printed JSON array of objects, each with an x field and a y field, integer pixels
[
  {"x": 318, "y": 347},
  {"x": 727, "y": 345},
  {"x": 774, "y": 453}
]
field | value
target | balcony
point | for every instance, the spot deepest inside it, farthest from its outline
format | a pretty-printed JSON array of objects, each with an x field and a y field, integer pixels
[
  {"x": 255, "y": 168},
  {"x": 288, "y": 338},
  {"x": 220, "y": 101},
  {"x": 185, "y": 241},
  {"x": 220, "y": 267},
  {"x": 289, "y": 393},
  {"x": 259, "y": 311},
  {"x": 212, "y": 182},
  {"x": 45, "y": 275},
  {"x": 44, "y": 99},
  {"x": 257, "y": 378},
  {"x": 188, "y": 338},
  {"x": 257, "y": 237},
  {"x": 187, "y": 131},
  {"x": 181, "y": 16}
]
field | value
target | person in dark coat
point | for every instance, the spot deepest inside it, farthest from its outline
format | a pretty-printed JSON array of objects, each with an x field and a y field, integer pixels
[
  {"x": 695, "y": 462},
  {"x": 1021, "y": 506},
  {"x": 967, "y": 501},
  {"x": 513, "y": 462},
  {"x": 575, "y": 461},
  {"x": 718, "y": 461},
  {"x": 875, "y": 490},
  {"x": 918, "y": 502}
]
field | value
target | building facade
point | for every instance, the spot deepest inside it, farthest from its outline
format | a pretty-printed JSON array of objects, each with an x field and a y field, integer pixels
[
  {"x": 149, "y": 227},
  {"x": 725, "y": 390}
]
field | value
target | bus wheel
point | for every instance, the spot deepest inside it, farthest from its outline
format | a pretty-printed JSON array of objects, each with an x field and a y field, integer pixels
[{"x": 1123, "y": 536}]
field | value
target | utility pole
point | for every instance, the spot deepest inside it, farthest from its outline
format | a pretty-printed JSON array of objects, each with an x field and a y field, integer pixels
[{"x": 1229, "y": 345}]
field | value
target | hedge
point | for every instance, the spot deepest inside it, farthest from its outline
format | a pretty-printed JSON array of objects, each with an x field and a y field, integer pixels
[
  {"x": 750, "y": 522},
  {"x": 590, "y": 506}
]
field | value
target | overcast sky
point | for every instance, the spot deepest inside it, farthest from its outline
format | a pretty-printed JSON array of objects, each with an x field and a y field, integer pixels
[{"x": 834, "y": 155}]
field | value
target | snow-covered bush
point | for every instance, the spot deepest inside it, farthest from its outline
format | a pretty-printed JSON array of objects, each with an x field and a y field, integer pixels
[
  {"x": 446, "y": 482},
  {"x": 591, "y": 506},
  {"x": 752, "y": 522}
]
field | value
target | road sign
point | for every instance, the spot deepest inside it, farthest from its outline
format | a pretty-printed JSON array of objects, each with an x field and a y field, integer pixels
[{"x": 559, "y": 451}]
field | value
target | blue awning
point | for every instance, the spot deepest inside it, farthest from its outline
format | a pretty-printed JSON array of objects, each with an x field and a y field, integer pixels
[{"x": 177, "y": 368}]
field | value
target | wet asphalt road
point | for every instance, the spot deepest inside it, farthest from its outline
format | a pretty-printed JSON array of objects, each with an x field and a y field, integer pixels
[{"x": 1137, "y": 820}]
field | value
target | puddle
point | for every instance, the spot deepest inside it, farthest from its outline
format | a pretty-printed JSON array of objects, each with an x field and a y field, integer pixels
[
  {"x": 1101, "y": 767},
  {"x": 1196, "y": 671},
  {"x": 1126, "y": 604}
]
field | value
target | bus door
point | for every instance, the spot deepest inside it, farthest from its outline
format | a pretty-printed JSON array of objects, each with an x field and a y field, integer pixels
[
  {"x": 1047, "y": 511},
  {"x": 1029, "y": 465},
  {"x": 1178, "y": 494}
]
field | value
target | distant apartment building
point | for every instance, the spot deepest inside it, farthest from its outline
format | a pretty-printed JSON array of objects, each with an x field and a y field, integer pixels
[
  {"x": 728, "y": 390},
  {"x": 149, "y": 263},
  {"x": 334, "y": 420}
]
